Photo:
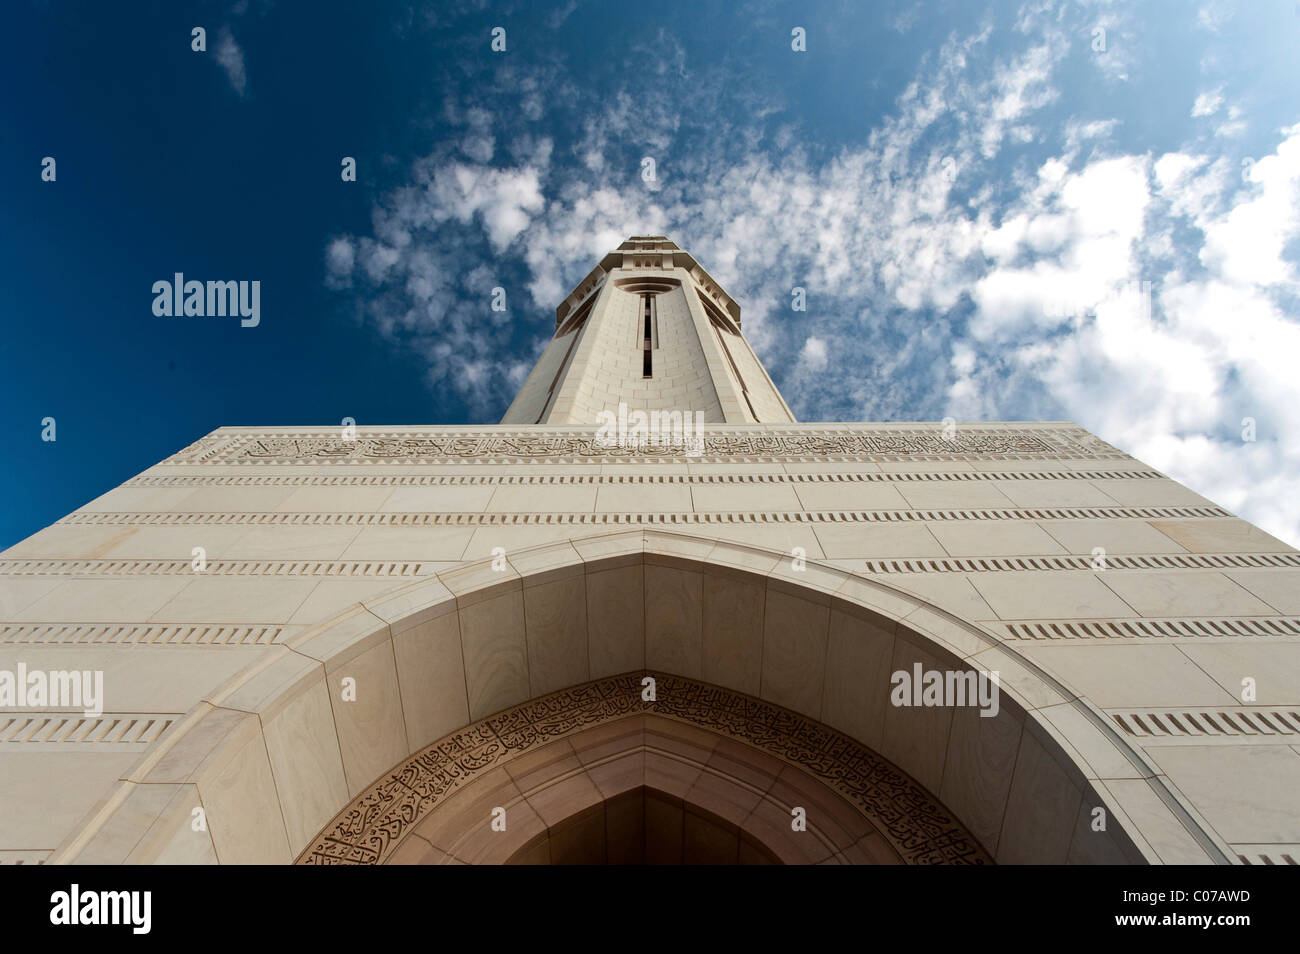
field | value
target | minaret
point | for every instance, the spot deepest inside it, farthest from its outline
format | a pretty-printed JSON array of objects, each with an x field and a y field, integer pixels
[{"x": 649, "y": 329}]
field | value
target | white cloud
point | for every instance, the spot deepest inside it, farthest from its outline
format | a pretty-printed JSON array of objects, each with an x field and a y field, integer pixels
[
  {"x": 231, "y": 58},
  {"x": 1208, "y": 103},
  {"x": 1169, "y": 377},
  {"x": 1213, "y": 15},
  {"x": 1246, "y": 245},
  {"x": 813, "y": 354},
  {"x": 340, "y": 259},
  {"x": 1075, "y": 243}
]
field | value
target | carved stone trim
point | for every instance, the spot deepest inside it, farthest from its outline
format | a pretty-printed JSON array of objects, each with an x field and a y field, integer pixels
[
  {"x": 125, "y": 634},
  {"x": 1264, "y": 725},
  {"x": 493, "y": 480},
  {"x": 1164, "y": 561},
  {"x": 411, "y": 569},
  {"x": 1216, "y": 628},
  {"x": 916, "y": 824},
  {"x": 133, "y": 728},
  {"x": 369, "y": 568},
  {"x": 460, "y": 519},
  {"x": 924, "y": 442},
  {"x": 1268, "y": 854}
]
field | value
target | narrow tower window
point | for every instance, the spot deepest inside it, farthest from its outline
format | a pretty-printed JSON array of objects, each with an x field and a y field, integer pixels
[{"x": 646, "y": 339}]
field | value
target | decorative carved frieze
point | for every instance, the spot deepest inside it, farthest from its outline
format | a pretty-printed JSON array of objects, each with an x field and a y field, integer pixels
[
  {"x": 915, "y": 823},
  {"x": 884, "y": 444}
]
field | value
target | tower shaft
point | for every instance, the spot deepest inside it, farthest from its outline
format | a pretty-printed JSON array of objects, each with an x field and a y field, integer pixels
[{"x": 651, "y": 330}]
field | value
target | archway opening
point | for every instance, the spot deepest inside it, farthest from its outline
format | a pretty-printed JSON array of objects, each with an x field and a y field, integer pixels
[
  {"x": 596, "y": 775},
  {"x": 645, "y": 826}
]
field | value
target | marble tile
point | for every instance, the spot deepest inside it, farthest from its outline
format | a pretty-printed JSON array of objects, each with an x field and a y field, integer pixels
[
  {"x": 749, "y": 497},
  {"x": 72, "y": 542},
  {"x": 994, "y": 538},
  {"x": 147, "y": 818},
  {"x": 431, "y": 673},
  {"x": 1121, "y": 675},
  {"x": 409, "y": 543},
  {"x": 543, "y": 498},
  {"x": 916, "y": 737},
  {"x": 226, "y": 500},
  {"x": 306, "y": 763},
  {"x": 137, "y": 499},
  {"x": 781, "y": 538},
  {"x": 371, "y": 728},
  {"x": 555, "y": 620},
  {"x": 1280, "y": 589},
  {"x": 332, "y": 499},
  {"x": 1150, "y": 492},
  {"x": 496, "y": 653},
  {"x": 1038, "y": 594},
  {"x": 332, "y": 596},
  {"x": 233, "y": 599},
  {"x": 977, "y": 774},
  {"x": 451, "y": 498},
  {"x": 149, "y": 678},
  {"x": 1054, "y": 493},
  {"x": 859, "y": 654},
  {"x": 643, "y": 498},
  {"x": 44, "y": 797},
  {"x": 733, "y": 631},
  {"x": 616, "y": 620},
  {"x": 850, "y": 495},
  {"x": 1116, "y": 537},
  {"x": 1091, "y": 845},
  {"x": 1220, "y": 536},
  {"x": 1159, "y": 827},
  {"x": 288, "y": 543},
  {"x": 1274, "y": 667},
  {"x": 827, "y": 814},
  {"x": 111, "y": 600},
  {"x": 954, "y": 495},
  {"x": 795, "y": 633},
  {"x": 877, "y": 541},
  {"x": 486, "y": 539},
  {"x": 673, "y": 605},
  {"x": 174, "y": 543},
  {"x": 1249, "y": 793},
  {"x": 1184, "y": 593},
  {"x": 1042, "y": 809},
  {"x": 19, "y": 592},
  {"x": 242, "y": 808}
]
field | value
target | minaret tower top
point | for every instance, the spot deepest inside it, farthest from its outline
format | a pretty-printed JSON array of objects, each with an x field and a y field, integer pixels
[{"x": 650, "y": 329}]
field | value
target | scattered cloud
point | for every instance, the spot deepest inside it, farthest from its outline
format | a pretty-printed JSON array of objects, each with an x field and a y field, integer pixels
[
  {"x": 980, "y": 253},
  {"x": 1208, "y": 103},
  {"x": 231, "y": 58}
]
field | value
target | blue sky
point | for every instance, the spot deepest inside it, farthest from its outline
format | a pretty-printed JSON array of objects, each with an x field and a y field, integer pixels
[{"x": 972, "y": 196}]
